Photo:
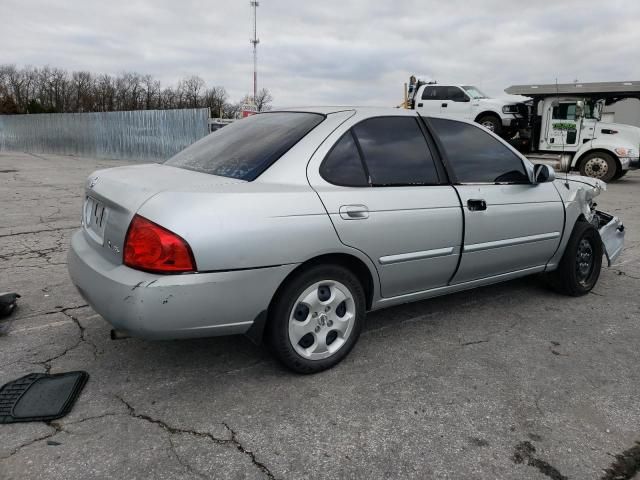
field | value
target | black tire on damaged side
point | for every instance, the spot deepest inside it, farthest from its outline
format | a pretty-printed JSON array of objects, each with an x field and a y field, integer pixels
[
  {"x": 277, "y": 330},
  {"x": 565, "y": 279}
]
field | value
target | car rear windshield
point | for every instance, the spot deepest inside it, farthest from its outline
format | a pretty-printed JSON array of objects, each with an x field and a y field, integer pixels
[{"x": 246, "y": 148}]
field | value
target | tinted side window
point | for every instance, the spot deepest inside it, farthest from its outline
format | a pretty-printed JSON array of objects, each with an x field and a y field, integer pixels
[
  {"x": 477, "y": 157},
  {"x": 455, "y": 94},
  {"x": 442, "y": 93},
  {"x": 343, "y": 165},
  {"x": 395, "y": 151},
  {"x": 429, "y": 93}
]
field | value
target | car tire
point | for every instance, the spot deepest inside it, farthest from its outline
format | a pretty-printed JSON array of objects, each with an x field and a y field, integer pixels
[
  {"x": 579, "y": 268},
  {"x": 492, "y": 123},
  {"x": 316, "y": 318},
  {"x": 599, "y": 165}
]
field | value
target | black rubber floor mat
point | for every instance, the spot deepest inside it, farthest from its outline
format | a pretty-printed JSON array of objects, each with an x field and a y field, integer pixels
[{"x": 40, "y": 397}]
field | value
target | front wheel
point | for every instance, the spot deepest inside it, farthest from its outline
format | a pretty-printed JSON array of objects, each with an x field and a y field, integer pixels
[
  {"x": 316, "y": 318},
  {"x": 599, "y": 165},
  {"x": 491, "y": 123},
  {"x": 579, "y": 269}
]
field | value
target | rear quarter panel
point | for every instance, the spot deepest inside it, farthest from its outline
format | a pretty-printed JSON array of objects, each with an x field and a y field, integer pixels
[{"x": 253, "y": 226}]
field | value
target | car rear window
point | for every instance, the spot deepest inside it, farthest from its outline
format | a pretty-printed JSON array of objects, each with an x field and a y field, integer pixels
[{"x": 246, "y": 148}]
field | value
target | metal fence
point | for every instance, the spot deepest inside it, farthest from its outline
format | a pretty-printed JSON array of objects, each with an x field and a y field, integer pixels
[{"x": 135, "y": 135}]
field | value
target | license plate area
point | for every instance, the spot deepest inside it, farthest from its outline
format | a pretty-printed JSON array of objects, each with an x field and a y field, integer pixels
[{"x": 94, "y": 218}]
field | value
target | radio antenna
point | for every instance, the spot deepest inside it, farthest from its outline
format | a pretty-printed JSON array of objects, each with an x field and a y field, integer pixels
[
  {"x": 566, "y": 172},
  {"x": 254, "y": 42}
]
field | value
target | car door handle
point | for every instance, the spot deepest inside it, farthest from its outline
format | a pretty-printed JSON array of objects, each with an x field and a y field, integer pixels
[
  {"x": 445, "y": 104},
  {"x": 354, "y": 212},
  {"x": 420, "y": 104},
  {"x": 476, "y": 205}
]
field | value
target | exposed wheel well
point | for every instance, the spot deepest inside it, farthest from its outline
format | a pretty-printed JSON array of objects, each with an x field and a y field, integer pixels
[
  {"x": 357, "y": 266},
  {"x": 580, "y": 159},
  {"x": 488, "y": 113}
]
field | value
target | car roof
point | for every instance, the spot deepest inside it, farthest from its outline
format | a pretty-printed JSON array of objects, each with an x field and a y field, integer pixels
[{"x": 326, "y": 110}]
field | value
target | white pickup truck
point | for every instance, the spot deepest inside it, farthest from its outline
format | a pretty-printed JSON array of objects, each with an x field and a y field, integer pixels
[{"x": 502, "y": 116}]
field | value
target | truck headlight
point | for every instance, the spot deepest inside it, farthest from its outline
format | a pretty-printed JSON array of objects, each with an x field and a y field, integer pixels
[
  {"x": 510, "y": 109},
  {"x": 625, "y": 152}
]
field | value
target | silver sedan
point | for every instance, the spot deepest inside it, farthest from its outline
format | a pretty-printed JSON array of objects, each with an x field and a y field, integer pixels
[{"x": 289, "y": 226}]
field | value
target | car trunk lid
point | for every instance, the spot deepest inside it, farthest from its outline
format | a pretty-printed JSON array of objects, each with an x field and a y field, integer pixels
[{"x": 113, "y": 196}]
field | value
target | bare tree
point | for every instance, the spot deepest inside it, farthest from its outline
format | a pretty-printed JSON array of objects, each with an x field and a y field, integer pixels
[
  {"x": 192, "y": 87},
  {"x": 50, "y": 89},
  {"x": 151, "y": 92},
  {"x": 263, "y": 100},
  {"x": 215, "y": 98}
]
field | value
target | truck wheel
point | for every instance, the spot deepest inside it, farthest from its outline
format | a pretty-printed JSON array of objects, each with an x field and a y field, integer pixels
[
  {"x": 581, "y": 262},
  {"x": 620, "y": 174},
  {"x": 316, "y": 318},
  {"x": 491, "y": 123},
  {"x": 599, "y": 165}
]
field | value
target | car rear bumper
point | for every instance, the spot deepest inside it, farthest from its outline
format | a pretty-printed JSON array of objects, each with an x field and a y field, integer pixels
[{"x": 171, "y": 306}]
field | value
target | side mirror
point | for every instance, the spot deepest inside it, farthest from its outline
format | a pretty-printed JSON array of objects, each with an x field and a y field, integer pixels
[
  {"x": 579, "y": 108},
  {"x": 464, "y": 98},
  {"x": 543, "y": 173}
]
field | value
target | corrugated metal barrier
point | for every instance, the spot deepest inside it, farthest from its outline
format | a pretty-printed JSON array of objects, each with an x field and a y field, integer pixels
[{"x": 135, "y": 135}]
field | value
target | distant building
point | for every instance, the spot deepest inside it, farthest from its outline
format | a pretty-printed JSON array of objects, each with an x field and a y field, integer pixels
[{"x": 626, "y": 111}]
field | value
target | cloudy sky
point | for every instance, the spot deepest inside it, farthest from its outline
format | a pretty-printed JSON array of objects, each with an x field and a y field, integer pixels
[{"x": 331, "y": 51}]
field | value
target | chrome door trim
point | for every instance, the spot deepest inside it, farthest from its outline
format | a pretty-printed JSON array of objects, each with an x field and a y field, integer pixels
[
  {"x": 456, "y": 287},
  {"x": 477, "y": 247},
  {"x": 407, "y": 257}
]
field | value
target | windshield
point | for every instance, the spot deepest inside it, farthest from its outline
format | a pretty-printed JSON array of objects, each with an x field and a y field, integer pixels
[
  {"x": 247, "y": 147},
  {"x": 473, "y": 92}
]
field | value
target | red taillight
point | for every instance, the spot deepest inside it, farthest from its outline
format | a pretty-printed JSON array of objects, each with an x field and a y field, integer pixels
[{"x": 150, "y": 247}]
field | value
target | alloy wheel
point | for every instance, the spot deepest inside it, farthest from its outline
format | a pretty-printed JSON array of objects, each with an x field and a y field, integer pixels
[{"x": 322, "y": 319}]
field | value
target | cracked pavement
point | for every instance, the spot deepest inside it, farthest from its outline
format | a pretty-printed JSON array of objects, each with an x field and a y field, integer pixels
[{"x": 509, "y": 381}]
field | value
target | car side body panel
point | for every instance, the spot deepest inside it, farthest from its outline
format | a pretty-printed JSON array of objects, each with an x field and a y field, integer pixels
[
  {"x": 411, "y": 234},
  {"x": 521, "y": 227}
]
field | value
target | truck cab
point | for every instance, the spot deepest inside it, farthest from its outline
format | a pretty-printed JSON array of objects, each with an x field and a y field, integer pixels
[
  {"x": 467, "y": 102},
  {"x": 565, "y": 129}
]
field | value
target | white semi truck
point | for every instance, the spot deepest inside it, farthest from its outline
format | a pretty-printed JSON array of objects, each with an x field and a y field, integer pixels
[{"x": 560, "y": 125}]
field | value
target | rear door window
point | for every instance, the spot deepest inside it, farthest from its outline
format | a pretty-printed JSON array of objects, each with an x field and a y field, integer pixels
[
  {"x": 395, "y": 152},
  {"x": 343, "y": 165},
  {"x": 246, "y": 148},
  {"x": 429, "y": 93},
  {"x": 475, "y": 156}
]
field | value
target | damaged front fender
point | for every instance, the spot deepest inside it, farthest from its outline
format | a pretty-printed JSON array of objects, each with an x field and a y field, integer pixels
[{"x": 612, "y": 234}]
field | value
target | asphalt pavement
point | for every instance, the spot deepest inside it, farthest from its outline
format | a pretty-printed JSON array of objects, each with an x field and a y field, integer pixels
[{"x": 510, "y": 381}]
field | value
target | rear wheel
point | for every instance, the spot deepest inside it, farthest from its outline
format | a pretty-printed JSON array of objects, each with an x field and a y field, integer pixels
[
  {"x": 316, "y": 318},
  {"x": 491, "y": 123},
  {"x": 579, "y": 269},
  {"x": 599, "y": 165}
]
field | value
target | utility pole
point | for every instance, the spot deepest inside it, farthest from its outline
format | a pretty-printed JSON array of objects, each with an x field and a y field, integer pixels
[{"x": 255, "y": 41}]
